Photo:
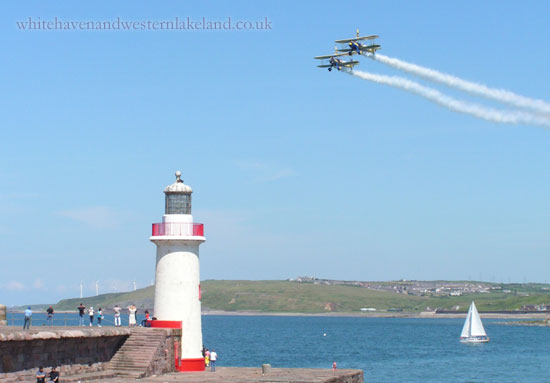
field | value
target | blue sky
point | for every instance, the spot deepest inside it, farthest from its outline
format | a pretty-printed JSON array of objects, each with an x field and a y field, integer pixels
[{"x": 295, "y": 171}]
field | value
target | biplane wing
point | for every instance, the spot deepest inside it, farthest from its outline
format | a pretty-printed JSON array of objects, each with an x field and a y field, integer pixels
[
  {"x": 349, "y": 64},
  {"x": 372, "y": 37},
  {"x": 364, "y": 48},
  {"x": 329, "y": 56}
]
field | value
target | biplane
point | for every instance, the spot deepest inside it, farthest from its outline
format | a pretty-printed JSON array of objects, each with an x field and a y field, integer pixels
[
  {"x": 332, "y": 61},
  {"x": 355, "y": 46}
]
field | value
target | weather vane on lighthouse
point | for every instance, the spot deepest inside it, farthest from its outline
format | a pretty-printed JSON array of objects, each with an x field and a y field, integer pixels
[{"x": 177, "y": 286}]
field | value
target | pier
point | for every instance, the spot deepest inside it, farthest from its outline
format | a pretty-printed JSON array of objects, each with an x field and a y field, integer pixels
[{"x": 122, "y": 355}]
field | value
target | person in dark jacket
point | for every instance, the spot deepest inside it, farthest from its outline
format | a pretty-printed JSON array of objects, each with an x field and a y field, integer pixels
[
  {"x": 49, "y": 319},
  {"x": 54, "y": 375}
]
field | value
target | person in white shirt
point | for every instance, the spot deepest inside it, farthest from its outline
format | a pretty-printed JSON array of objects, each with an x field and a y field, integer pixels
[
  {"x": 116, "y": 309},
  {"x": 91, "y": 314},
  {"x": 213, "y": 358}
]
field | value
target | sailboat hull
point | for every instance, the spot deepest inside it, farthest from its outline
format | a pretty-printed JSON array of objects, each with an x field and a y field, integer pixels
[{"x": 475, "y": 339}]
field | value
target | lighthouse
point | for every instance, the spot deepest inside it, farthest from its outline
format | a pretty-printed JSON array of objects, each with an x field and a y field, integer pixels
[{"x": 177, "y": 279}]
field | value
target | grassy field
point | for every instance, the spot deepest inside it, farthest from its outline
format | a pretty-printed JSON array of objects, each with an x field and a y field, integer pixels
[{"x": 292, "y": 297}]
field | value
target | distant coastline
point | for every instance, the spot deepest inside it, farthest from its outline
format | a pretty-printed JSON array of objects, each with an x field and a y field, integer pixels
[
  {"x": 380, "y": 315},
  {"x": 537, "y": 316},
  {"x": 313, "y": 297}
]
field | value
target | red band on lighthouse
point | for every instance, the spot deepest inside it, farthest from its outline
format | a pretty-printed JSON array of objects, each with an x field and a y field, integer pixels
[
  {"x": 166, "y": 324},
  {"x": 193, "y": 364}
]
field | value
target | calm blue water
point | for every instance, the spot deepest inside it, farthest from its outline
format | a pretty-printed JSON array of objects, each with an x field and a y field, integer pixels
[{"x": 386, "y": 349}]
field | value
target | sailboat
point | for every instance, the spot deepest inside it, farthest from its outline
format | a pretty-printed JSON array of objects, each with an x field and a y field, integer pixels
[{"x": 473, "y": 331}]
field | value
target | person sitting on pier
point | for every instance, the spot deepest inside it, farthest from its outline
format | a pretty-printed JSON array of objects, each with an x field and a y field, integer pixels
[
  {"x": 54, "y": 375},
  {"x": 41, "y": 375},
  {"x": 147, "y": 321}
]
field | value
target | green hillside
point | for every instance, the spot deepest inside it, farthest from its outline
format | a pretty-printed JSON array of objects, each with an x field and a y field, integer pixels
[{"x": 285, "y": 296}]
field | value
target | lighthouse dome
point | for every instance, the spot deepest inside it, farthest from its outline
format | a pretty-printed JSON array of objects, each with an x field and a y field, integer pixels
[
  {"x": 178, "y": 186},
  {"x": 178, "y": 197}
]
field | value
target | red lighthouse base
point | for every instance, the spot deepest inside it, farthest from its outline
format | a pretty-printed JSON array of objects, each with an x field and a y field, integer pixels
[{"x": 195, "y": 364}]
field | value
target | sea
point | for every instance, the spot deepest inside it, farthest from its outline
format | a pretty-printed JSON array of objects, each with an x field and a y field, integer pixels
[{"x": 396, "y": 350}]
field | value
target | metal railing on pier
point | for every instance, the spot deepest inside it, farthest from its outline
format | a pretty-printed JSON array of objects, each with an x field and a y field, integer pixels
[{"x": 65, "y": 319}]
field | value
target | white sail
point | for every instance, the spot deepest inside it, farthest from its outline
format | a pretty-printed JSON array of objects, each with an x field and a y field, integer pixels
[
  {"x": 476, "y": 327},
  {"x": 467, "y": 324}
]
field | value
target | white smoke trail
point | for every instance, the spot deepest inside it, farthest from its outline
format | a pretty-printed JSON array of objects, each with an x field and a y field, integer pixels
[
  {"x": 489, "y": 114},
  {"x": 500, "y": 95}
]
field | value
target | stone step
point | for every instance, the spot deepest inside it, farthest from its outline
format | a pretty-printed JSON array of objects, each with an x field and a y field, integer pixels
[
  {"x": 134, "y": 358},
  {"x": 88, "y": 377},
  {"x": 125, "y": 356},
  {"x": 143, "y": 342},
  {"x": 148, "y": 350},
  {"x": 137, "y": 368},
  {"x": 130, "y": 362},
  {"x": 130, "y": 372},
  {"x": 126, "y": 366}
]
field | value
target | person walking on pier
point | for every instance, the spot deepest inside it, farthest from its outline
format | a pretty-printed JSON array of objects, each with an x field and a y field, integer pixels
[
  {"x": 213, "y": 358},
  {"x": 49, "y": 319},
  {"x": 81, "y": 310},
  {"x": 116, "y": 309},
  {"x": 91, "y": 314},
  {"x": 28, "y": 318}
]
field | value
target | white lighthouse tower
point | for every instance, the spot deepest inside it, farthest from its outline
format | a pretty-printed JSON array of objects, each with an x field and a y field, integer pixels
[{"x": 177, "y": 280}]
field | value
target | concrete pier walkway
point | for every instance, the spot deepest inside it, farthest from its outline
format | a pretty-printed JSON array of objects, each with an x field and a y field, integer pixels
[{"x": 254, "y": 375}]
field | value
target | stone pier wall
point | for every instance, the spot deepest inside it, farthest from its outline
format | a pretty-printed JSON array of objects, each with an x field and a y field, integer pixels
[
  {"x": 164, "y": 358},
  {"x": 73, "y": 350}
]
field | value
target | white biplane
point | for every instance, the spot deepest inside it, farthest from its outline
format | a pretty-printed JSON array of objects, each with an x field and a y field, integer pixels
[
  {"x": 354, "y": 46},
  {"x": 332, "y": 61}
]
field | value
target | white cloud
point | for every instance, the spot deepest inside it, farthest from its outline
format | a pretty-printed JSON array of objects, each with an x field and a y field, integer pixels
[
  {"x": 265, "y": 172},
  {"x": 251, "y": 164},
  {"x": 38, "y": 284},
  {"x": 96, "y": 216},
  {"x": 13, "y": 286},
  {"x": 283, "y": 173},
  {"x": 61, "y": 288}
]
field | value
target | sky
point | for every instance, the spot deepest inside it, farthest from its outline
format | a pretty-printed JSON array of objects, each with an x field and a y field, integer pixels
[{"x": 295, "y": 171}]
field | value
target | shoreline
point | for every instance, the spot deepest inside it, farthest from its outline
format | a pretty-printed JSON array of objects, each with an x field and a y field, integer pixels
[
  {"x": 423, "y": 315},
  {"x": 381, "y": 314}
]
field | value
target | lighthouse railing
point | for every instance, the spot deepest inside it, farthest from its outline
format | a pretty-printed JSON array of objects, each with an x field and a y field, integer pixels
[{"x": 180, "y": 229}]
